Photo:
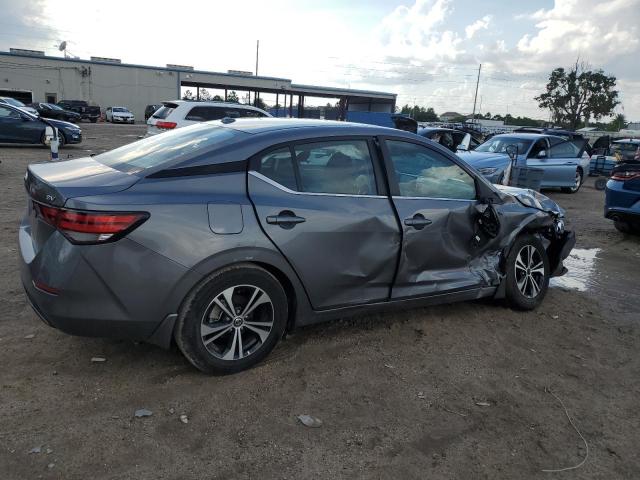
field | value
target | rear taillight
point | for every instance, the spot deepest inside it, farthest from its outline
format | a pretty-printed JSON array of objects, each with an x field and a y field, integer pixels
[
  {"x": 624, "y": 175},
  {"x": 166, "y": 125},
  {"x": 91, "y": 227}
]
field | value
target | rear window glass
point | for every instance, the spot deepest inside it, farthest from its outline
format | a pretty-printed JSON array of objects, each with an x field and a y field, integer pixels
[
  {"x": 204, "y": 114},
  {"x": 163, "y": 112},
  {"x": 174, "y": 145}
]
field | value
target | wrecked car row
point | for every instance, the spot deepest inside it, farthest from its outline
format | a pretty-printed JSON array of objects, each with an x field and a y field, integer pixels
[{"x": 222, "y": 236}]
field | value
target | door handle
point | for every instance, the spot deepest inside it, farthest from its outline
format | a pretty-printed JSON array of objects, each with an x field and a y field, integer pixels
[
  {"x": 417, "y": 221},
  {"x": 285, "y": 219}
]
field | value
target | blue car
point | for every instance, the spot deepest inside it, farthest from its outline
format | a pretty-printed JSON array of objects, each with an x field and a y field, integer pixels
[
  {"x": 563, "y": 161},
  {"x": 622, "y": 197},
  {"x": 22, "y": 128}
]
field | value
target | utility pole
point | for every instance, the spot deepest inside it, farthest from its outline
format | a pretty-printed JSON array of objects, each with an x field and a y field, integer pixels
[
  {"x": 257, "y": 53},
  {"x": 475, "y": 98}
]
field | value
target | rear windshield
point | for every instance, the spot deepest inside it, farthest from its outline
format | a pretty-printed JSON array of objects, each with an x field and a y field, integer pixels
[
  {"x": 625, "y": 147},
  {"x": 163, "y": 112},
  {"x": 14, "y": 102},
  {"x": 174, "y": 145}
]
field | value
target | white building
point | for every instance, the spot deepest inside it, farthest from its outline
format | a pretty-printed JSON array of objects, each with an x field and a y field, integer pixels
[{"x": 31, "y": 76}]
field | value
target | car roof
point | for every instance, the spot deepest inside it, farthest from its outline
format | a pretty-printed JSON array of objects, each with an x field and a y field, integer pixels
[
  {"x": 627, "y": 140},
  {"x": 201, "y": 103},
  {"x": 528, "y": 136},
  {"x": 275, "y": 126},
  {"x": 437, "y": 129}
]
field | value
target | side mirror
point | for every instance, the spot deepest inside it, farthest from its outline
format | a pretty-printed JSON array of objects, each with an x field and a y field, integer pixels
[
  {"x": 512, "y": 151},
  {"x": 542, "y": 154}
]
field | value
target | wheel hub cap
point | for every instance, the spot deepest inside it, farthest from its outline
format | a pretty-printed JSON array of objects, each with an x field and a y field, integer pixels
[
  {"x": 529, "y": 271},
  {"x": 237, "y": 322}
]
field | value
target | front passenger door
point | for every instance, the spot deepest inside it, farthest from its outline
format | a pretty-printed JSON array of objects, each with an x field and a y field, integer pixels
[
  {"x": 435, "y": 199},
  {"x": 16, "y": 128}
]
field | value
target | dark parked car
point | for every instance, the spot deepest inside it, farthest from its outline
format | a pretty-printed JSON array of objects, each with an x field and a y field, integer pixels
[
  {"x": 51, "y": 110},
  {"x": 20, "y": 127},
  {"x": 450, "y": 138},
  {"x": 86, "y": 111},
  {"x": 150, "y": 110},
  {"x": 224, "y": 235}
]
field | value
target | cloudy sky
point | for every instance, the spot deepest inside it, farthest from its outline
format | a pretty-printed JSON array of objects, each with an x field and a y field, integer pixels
[{"x": 427, "y": 51}]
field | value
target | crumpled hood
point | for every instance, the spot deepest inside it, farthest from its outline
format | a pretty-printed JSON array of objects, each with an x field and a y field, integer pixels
[
  {"x": 533, "y": 199},
  {"x": 485, "y": 159}
]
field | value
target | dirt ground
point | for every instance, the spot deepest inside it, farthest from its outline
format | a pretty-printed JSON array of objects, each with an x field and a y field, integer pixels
[{"x": 455, "y": 391}]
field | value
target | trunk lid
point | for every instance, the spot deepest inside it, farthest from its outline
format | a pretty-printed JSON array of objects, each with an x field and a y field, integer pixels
[{"x": 55, "y": 183}]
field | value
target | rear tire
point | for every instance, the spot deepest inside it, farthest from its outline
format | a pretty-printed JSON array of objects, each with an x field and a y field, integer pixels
[
  {"x": 578, "y": 183},
  {"x": 232, "y": 320},
  {"x": 527, "y": 273},
  {"x": 601, "y": 183},
  {"x": 622, "y": 226}
]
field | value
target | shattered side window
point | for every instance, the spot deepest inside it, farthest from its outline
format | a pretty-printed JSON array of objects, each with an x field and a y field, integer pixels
[{"x": 422, "y": 172}]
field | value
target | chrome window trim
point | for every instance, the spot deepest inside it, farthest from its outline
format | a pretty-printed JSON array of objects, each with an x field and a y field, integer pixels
[
  {"x": 285, "y": 189},
  {"x": 400, "y": 197}
]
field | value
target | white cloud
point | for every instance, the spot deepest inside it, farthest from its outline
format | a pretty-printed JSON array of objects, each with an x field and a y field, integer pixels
[
  {"x": 480, "y": 24},
  {"x": 590, "y": 29}
]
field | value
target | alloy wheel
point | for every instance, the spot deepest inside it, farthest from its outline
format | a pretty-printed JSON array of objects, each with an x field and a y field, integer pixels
[
  {"x": 529, "y": 271},
  {"x": 237, "y": 322},
  {"x": 577, "y": 182}
]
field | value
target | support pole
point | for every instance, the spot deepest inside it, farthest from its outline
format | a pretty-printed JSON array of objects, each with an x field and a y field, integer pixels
[
  {"x": 475, "y": 98},
  {"x": 257, "y": 55}
]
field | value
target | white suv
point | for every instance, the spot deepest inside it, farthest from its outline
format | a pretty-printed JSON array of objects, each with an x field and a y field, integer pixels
[{"x": 180, "y": 113}]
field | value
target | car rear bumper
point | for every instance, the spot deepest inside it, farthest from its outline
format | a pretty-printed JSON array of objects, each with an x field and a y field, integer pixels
[
  {"x": 118, "y": 290},
  {"x": 621, "y": 202}
]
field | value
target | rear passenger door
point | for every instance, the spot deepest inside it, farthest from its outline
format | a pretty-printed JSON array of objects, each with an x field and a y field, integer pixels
[
  {"x": 435, "y": 199},
  {"x": 324, "y": 205}
]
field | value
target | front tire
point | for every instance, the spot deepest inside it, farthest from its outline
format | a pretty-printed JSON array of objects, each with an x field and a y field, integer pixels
[
  {"x": 527, "y": 273},
  {"x": 232, "y": 320}
]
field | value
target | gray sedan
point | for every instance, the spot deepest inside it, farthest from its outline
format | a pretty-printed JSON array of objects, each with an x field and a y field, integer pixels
[{"x": 222, "y": 236}]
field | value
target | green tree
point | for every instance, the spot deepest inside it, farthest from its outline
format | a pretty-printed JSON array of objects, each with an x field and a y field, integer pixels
[
  {"x": 577, "y": 94},
  {"x": 258, "y": 102},
  {"x": 233, "y": 97},
  {"x": 204, "y": 94},
  {"x": 188, "y": 95},
  {"x": 217, "y": 98}
]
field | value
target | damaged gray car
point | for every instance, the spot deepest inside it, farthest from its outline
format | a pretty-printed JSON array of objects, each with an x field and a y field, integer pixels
[{"x": 225, "y": 235}]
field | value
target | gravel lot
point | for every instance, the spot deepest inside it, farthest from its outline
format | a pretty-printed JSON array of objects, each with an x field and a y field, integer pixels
[{"x": 455, "y": 391}]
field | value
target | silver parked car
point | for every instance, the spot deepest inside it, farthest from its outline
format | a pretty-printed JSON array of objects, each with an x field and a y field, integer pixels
[
  {"x": 564, "y": 162},
  {"x": 225, "y": 235}
]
